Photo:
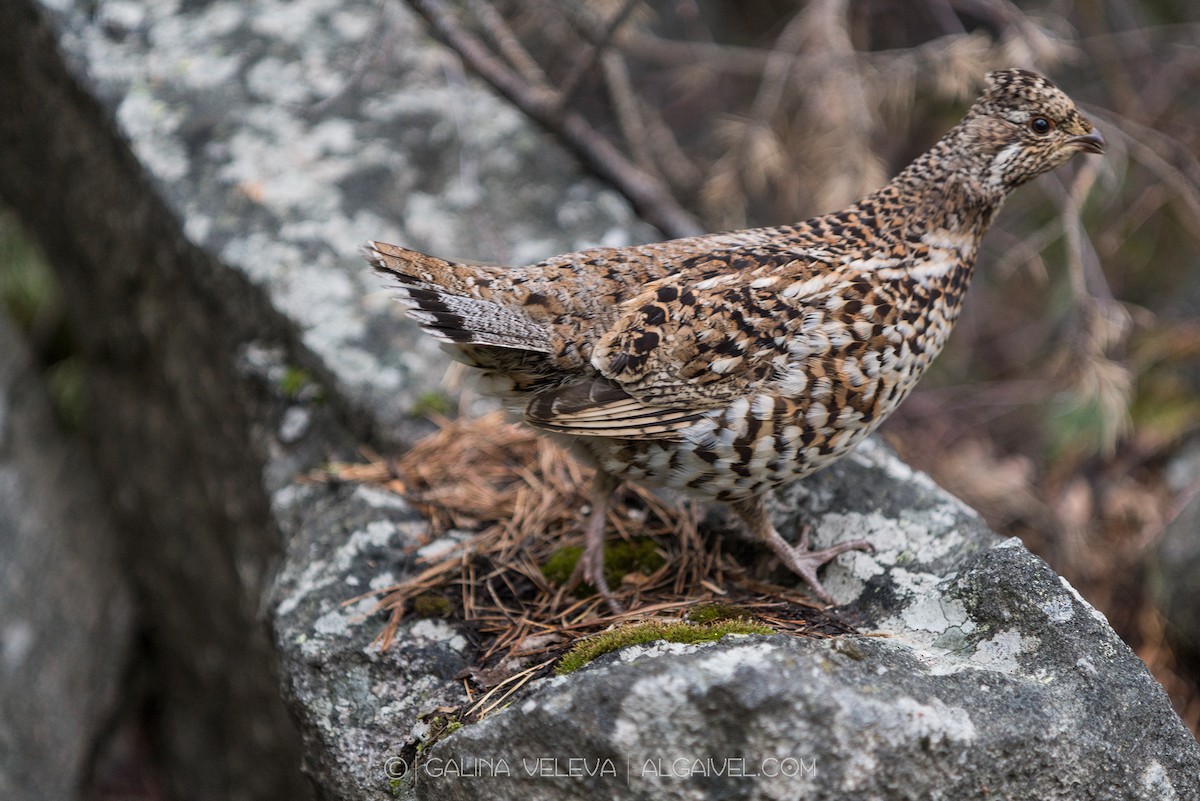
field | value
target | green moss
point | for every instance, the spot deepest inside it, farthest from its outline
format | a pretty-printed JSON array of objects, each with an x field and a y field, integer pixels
[
  {"x": 394, "y": 786},
  {"x": 561, "y": 564},
  {"x": 429, "y": 604},
  {"x": 68, "y": 391},
  {"x": 708, "y": 613},
  {"x": 849, "y": 648},
  {"x": 30, "y": 295},
  {"x": 440, "y": 726},
  {"x": 636, "y": 633},
  {"x": 294, "y": 381},
  {"x": 431, "y": 403},
  {"x": 28, "y": 289},
  {"x": 638, "y": 555}
]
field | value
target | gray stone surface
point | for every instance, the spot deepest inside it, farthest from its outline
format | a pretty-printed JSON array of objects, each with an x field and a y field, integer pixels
[
  {"x": 66, "y": 609},
  {"x": 978, "y": 670},
  {"x": 1019, "y": 690},
  {"x": 202, "y": 174},
  {"x": 280, "y": 161}
]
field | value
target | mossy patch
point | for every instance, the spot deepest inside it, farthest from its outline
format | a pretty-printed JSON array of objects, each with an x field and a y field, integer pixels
[
  {"x": 442, "y": 723},
  {"x": 294, "y": 382},
  {"x": 638, "y": 555},
  {"x": 31, "y": 296},
  {"x": 561, "y": 564},
  {"x": 431, "y": 404},
  {"x": 429, "y": 604},
  {"x": 712, "y": 612},
  {"x": 637, "y": 633}
]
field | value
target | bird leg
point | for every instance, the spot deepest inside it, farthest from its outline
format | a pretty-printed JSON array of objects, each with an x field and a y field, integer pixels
[
  {"x": 798, "y": 559},
  {"x": 590, "y": 567}
]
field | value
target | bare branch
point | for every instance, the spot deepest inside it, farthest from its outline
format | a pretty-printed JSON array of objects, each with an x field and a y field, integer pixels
[
  {"x": 1146, "y": 146},
  {"x": 625, "y": 106},
  {"x": 586, "y": 63},
  {"x": 506, "y": 41}
]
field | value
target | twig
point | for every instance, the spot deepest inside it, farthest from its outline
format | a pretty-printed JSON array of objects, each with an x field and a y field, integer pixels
[
  {"x": 586, "y": 63},
  {"x": 648, "y": 195},
  {"x": 1083, "y": 264},
  {"x": 625, "y": 106},
  {"x": 1145, "y": 144},
  {"x": 506, "y": 41}
]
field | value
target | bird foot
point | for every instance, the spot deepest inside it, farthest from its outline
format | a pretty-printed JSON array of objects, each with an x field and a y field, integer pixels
[
  {"x": 804, "y": 563},
  {"x": 590, "y": 570},
  {"x": 590, "y": 567}
]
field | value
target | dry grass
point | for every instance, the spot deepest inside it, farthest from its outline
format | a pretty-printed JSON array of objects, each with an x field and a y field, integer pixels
[{"x": 523, "y": 498}]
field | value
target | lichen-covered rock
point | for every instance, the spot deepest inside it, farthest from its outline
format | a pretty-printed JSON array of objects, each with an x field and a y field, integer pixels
[
  {"x": 978, "y": 671},
  {"x": 1020, "y": 691},
  {"x": 66, "y": 609}
]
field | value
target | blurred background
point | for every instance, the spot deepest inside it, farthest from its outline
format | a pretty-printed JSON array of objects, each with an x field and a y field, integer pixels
[{"x": 1066, "y": 407}]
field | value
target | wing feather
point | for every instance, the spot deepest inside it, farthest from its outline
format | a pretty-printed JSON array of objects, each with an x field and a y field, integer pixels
[
  {"x": 599, "y": 408},
  {"x": 688, "y": 344}
]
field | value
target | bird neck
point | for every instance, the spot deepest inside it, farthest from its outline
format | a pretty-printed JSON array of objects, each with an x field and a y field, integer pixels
[{"x": 950, "y": 190}]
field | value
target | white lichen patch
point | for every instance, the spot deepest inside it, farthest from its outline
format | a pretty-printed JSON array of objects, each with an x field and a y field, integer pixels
[
  {"x": 938, "y": 629},
  {"x": 1000, "y": 651},
  {"x": 1156, "y": 783},
  {"x": 442, "y": 547},
  {"x": 722, "y": 663},
  {"x": 377, "y": 498},
  {"x": 379, "y": 582},
  {"x": 319, "y": 574},
  {"x": 295, "y": 423},
  {"x": 632, "y": 728},
  {"x": 935, "y": 722},
  {"x": 917, "y": 538},
  {"x": 333, "y": 623},
  {"x": 314, "y": 578},
  {"x": 1095, "y": 613},
  {"x": 437, "y": 631},
  {"x": 1059, "y": 609},
  {"x": 150, "y": 125}
]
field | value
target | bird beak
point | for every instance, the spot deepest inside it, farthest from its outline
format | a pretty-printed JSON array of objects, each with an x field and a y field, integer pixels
[{"x": 1092, "y": 143}]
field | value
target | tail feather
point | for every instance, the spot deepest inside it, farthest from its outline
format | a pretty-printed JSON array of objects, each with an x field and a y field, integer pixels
[{"x": 443, "y": 298}]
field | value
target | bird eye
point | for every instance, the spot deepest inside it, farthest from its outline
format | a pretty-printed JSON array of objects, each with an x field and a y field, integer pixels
[{"x": 1040, "y": 125}]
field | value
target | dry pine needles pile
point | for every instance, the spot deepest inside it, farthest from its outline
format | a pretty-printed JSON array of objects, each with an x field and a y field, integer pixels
[{"x": 525, "y": 497}]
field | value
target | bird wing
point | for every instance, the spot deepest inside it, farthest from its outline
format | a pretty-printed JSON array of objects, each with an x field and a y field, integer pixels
[{"x": 693, "y": 342}]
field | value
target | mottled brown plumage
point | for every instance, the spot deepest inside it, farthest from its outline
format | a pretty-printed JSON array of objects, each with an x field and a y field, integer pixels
[{"x": 729, "y": 364}]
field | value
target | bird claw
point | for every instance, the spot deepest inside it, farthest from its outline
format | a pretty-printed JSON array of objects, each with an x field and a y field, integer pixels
[
  {"x": 590, "y": 570},
  {"x": 805, "y": 563}
]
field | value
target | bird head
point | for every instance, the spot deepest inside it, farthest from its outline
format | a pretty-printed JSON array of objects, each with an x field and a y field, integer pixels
[{"x": 1028, "y": 126}]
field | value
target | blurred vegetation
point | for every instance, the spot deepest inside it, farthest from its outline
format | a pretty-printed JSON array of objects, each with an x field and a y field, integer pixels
[
  {"x": 1072, "y": 380},
  {"x": 30, "y": 298}
]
